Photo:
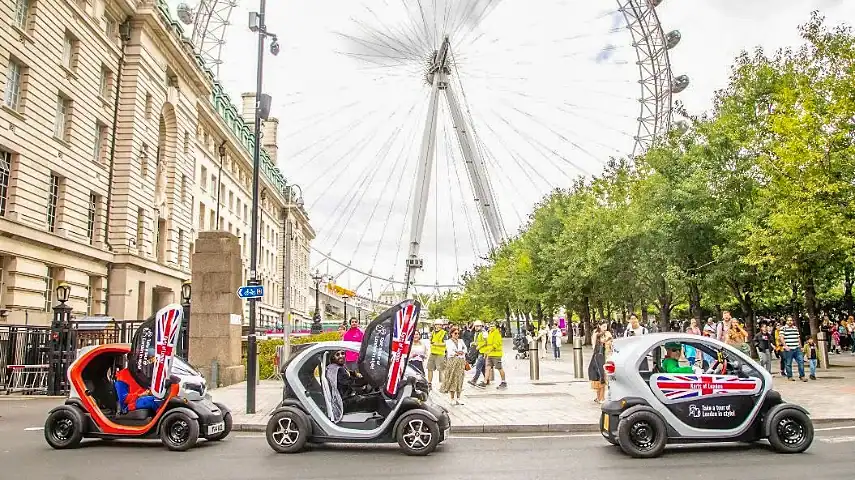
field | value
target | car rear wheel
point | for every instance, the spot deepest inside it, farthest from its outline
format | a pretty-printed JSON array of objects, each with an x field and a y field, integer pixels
[
  {"x": 64, "y": 427},
  {"x": 790, "y": 431},
  {"x": 287, "y": 431},
  {"x": 642, "y": 434},
  {"x": 418, "y": 435},
  {"x": 179, "y": 432}
]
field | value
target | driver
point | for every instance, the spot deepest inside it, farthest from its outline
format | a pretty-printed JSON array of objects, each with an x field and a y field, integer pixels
[
  {"x": 346, "y": 383},
  {"x": 131, "y": 395},
  {"x": 671, "y": 362}
]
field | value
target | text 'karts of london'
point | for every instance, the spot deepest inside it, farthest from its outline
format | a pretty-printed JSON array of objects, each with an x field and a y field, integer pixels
[
  {"x": 383, "y": 401},
  {"x": 139, "y": 390},
  {"x": 725, "y": 397}
]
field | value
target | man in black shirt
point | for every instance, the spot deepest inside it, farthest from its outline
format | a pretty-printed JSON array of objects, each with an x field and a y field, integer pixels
[{"x": 763, "y": 343}]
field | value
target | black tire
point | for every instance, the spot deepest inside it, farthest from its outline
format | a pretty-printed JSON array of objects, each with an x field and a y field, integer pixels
[
  {"x": 287, "y": 431},
  {"x": 179, "y": 432},
  {"x": 227, "y": 419},
  {"x": 418, "y": 435},
  {"x": 64, "y": 427},
  {"x": 790, "y": 431},
  {"x": 642, "y": 434}
]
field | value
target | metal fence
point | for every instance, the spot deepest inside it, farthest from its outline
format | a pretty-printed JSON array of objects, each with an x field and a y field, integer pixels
[{"x": 25, "y": 350}]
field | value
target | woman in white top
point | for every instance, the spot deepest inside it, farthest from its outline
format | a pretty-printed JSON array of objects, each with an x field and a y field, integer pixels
[
  {"x": 418, "y": 353},
  {"x": 455, "y": 366}
]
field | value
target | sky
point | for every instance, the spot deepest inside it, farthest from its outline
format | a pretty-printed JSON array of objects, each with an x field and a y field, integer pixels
[{"x": 550, "y": 91}]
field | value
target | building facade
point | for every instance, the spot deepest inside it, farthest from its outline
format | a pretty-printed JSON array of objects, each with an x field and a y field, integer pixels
[{"x": 116, "y": 148}]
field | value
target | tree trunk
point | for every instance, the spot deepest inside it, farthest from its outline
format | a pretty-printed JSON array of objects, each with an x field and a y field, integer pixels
[
  {"x": 664, "y": 297},
  {"x": 847, "y": 292},
  {"x": 810, "y": 305},
  {"x": 585, "y": 321},
  {"x": 569, "y": 320},
  {"x": 600, "y": 309},
  {"x": 539, "y": 314},
  {"x": 746, "y": 303},
  {"x": 644, "y": 312},
  {"x": 794, "y": 311},
  {"x": 695, "y": 301}
]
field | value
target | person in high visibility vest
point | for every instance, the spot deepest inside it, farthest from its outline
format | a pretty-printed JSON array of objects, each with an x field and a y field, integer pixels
[
  {"x": 480, "y": 342},
  {"x": 494, "y": 356},
  {"x": 436, "y": 361}
]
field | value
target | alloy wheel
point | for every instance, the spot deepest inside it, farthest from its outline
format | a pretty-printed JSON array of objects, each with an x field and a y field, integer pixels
[
  {"x": 285, "y": 433},
  {"x": 417, "y": 435}
]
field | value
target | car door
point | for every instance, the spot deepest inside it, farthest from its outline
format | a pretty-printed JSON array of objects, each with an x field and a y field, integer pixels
[
  {"x": 153, "y": 349},
  {"x": 385, "y": 348},
  {"x": 722, "y": 401}
]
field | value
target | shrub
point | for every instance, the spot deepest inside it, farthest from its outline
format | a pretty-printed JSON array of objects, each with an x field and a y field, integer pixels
[{"x": 267, "y": 350}]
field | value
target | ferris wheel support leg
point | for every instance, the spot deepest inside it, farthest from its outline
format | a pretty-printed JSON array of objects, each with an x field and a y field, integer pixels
[
  {"x": 477, "y": 173},
  {"x": 420, "y": 199}
]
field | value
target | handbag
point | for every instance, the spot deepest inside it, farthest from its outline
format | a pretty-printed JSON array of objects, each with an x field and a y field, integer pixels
[{"x": 468, "y": 366}]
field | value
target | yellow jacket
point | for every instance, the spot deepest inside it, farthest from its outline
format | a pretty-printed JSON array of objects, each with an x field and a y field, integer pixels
[
  {"x": 494, "y": 343},
  {"x": 481, "y": 342},
  {"x": 437, "y": 343}
]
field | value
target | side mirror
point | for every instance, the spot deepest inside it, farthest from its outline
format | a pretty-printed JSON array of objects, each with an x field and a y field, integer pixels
[{"x": 172, "y": 380}]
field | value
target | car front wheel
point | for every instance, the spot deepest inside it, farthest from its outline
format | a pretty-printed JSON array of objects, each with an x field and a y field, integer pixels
[
  {"x": 642, "y": 434},
  {"x": 64, "y": 427},
  {"x": 418, "y": 435},
  {"x": 179, "y": 432},
  {"x": 790, "y": 431},
  {"x": 287, "y": 431}
]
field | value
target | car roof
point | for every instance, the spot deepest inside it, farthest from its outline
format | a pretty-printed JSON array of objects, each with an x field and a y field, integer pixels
[{"x": 642, "y": 343}]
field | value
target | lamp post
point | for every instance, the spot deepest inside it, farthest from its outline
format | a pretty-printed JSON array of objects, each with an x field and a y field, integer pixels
[
  {"x": 344, "y": 299},
  {"x": 289, "y": 239},
  {"x": 186, "y": 291},
  {"x": 61, "y": 349},
  {"x": 316, "y": 318},
  {"x": 262, "y": 108}
]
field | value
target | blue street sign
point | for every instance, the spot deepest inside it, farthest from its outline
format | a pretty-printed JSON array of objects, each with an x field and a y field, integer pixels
[{"x": 250, "y": 291}]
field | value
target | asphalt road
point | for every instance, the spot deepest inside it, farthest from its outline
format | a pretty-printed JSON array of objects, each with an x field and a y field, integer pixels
[{"x": 25, "y": 455}]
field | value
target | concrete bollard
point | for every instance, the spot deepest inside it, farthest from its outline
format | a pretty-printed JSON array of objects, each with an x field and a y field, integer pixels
[
  {"x": 577, "y": 357},
  {"x": 533, "y": 359},
  {"x": 214, "y": 381},
  {"x": 821, "y": 351}
]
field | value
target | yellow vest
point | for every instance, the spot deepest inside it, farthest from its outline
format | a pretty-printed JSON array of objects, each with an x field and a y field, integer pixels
[
  {"x": 437, "y": 343},
  {"x": 494, "y": 343},
  {"x": 481, "y": 342}
]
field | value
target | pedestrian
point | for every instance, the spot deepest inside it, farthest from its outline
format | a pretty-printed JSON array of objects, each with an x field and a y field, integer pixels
[
  {"x": 792, "y": 350},
  {"x": 601, "y": 340},
  {"x": 736, "y": 336},
  {"x": 480, "y": 343},
  {"x": 455, "y": 366},
  {"x": 436, "y": 361},
  {"x": 556, "y": 342},
  {"x": 809, "y": 352},
  {"x": 850, "y": 327},
  {"x": 763, "y": 344},
  {"x": 493, "y": 351},
  {"x": 353, "y": 334},
  {"x": 635, "y": 327},
  {"x": 543, "y": 339},
  {"x": 418, "y": 353}
]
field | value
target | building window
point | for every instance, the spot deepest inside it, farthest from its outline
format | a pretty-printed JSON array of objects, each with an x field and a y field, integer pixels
[
  {"x": 144, "y": 161},
  {"x": 201, "y": 216},
  {"x": 49, "y": 281},
  {"x": 14, "y": 82},
  {"x": 204, "y": 179},
  {"x": 100, "y": 142},
  {"x": 244, "y": 212},
  {"x": 53, "y": 201},
  {"x": 92, "y": 216},
  {"x": 106, "y": 83},
  {"x": 70, "y": 50},
  {"x": 180, "y": 248},
  {"x": 186, "y": 142},
  {"x": 148, "y": 106},
  {"x": 183, "y": 188},
  {"x": 140, "y": 229},
  {"x": 62, "y": 122},
  {"x": 231, "y": 201},
  {"x": 22, "y": 13},
  {"x": 5, "y": 176},
  {"x": 110, "y": 27}
]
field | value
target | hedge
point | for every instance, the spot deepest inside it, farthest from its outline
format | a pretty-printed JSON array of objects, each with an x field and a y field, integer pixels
[{"x": 267, "y": 350}]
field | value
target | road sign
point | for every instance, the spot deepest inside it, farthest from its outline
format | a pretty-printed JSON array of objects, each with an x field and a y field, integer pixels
[{"x": 250, "y": 291}]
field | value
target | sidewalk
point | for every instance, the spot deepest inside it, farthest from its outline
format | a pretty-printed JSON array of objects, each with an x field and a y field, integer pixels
[{"x": 557, "y": 402}]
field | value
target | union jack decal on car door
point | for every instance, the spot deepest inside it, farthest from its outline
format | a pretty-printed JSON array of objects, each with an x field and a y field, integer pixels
[
  {"x": 403, "y": 328},
  {"x": 166, "y": 326},
  {"x": 673, "y": 388}
]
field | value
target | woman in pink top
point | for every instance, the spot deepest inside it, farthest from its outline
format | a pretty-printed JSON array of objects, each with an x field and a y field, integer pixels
[{"x": 354, "y": 334}]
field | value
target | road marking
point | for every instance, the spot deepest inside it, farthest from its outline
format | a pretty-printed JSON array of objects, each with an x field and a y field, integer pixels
[
  {"x": 845, "y": 439},
  {"x": 455, "y": 437},
  {"x": 828, "y": 429},
  {"x": 34, "y": 429}
]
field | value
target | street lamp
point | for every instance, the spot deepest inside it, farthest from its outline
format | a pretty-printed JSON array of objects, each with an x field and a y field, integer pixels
[
  {"x": 318, "y": 277},
  {"x": 186, "y": 292},
  {"x": 344, "y": 298},
  {"x": 63, "y": 291},
  {"x": 262, "y": 109}
]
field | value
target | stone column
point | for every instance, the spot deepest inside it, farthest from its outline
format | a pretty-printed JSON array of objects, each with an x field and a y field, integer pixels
[{"x": 217, "y": 312}]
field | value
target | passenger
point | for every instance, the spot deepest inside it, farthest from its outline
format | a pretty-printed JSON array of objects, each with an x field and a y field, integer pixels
[
  {"x": 132, "y": 396},
  {"x": 671, "y": 362}
]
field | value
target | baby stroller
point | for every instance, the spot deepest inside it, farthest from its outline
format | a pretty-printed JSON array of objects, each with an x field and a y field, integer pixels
[{"x": 521, "y": 346}]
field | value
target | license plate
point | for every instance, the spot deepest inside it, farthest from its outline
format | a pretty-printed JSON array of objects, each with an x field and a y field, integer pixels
[
  {"x": 445, "y": 433},
  {"x": 606, "y": 422},
  {"x": 216, "y": 428}
]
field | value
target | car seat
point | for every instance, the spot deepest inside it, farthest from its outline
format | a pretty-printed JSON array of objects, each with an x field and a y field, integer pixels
[{"x": 121, "y": 394}]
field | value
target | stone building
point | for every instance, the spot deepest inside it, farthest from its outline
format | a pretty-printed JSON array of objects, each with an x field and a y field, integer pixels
[{"x": 116, "y": 148}]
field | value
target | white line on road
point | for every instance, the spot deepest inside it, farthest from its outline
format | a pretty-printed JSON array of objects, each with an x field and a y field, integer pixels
[
  {"x": 455, "y": 437},
  {"x": 34, "y": 429},
  {"x": 534, "y": 437},
  {"x": 828, "y": 429},
  {"x": 845, "y": 439}
]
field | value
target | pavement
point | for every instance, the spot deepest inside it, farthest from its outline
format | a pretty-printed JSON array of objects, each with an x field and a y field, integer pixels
[
  {"x": 558, "y": 402},
  {"x": 25, "y": 455}
]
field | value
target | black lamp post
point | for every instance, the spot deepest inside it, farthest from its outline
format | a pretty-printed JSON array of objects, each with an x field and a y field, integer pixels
[
  {"x": 186, "y": 291},
  {"x": 262, "y": 109},
  {"x": 61, "y": 349},
  {"x": 316, "y": 318},
  {"x": 344, "y": 299}
]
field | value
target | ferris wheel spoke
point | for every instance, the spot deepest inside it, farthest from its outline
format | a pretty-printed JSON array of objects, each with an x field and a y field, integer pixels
[{"x": 520, "y": 159}]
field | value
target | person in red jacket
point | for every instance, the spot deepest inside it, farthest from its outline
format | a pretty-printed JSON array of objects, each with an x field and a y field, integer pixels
[{"x": 132, "y": 396}]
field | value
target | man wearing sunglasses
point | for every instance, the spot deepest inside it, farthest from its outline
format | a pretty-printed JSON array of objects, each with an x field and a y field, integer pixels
[{"x": 671, "y": 362}]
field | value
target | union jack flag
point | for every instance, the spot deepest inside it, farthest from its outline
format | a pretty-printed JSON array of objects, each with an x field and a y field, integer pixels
[
  {"x": 166, "y": 327},
  {"x": 403, "y": 328},
  {"x": 680, "y": 387}
]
